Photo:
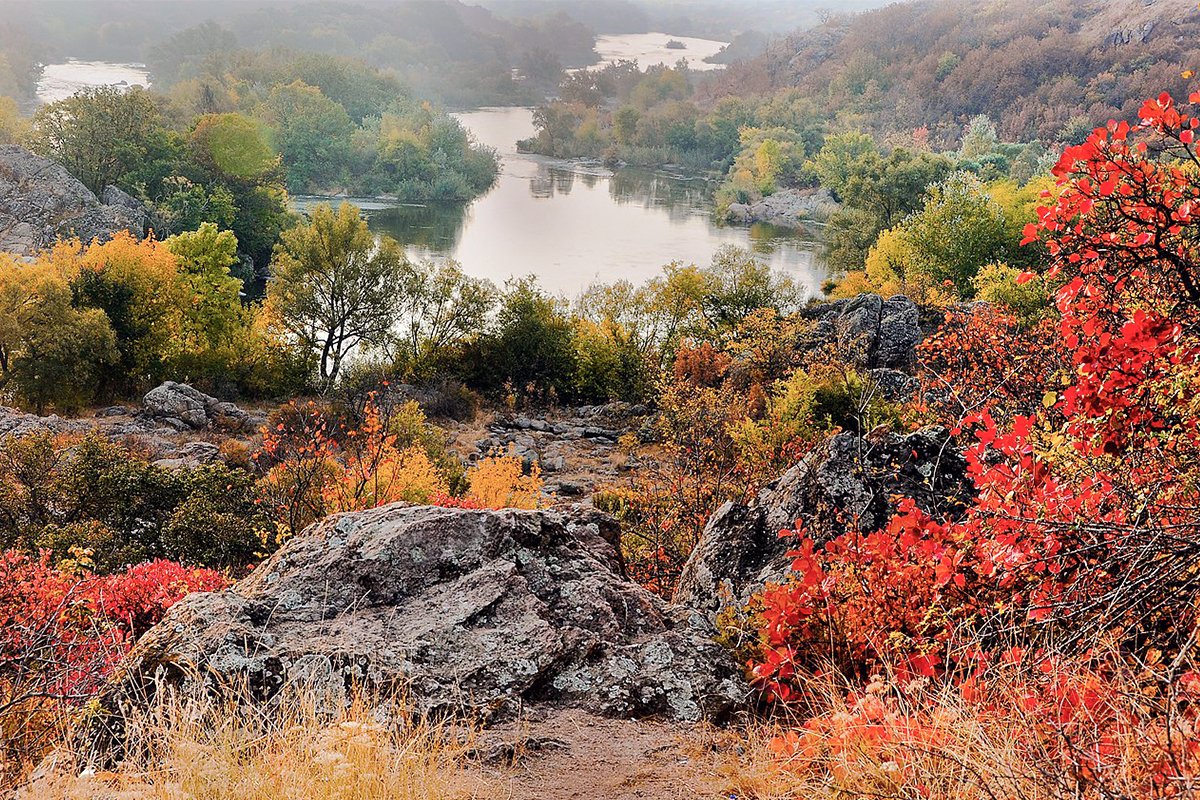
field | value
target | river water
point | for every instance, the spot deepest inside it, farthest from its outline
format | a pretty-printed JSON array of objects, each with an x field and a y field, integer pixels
[
  {"x": 574, "y": 224},
  {"x": 569, "y": 224},
  {"x": 650, "y": 49},
  {"x": 60, "y": 81}
]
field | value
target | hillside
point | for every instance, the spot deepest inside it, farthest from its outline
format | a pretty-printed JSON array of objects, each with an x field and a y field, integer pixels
[{"x": 1041, "y": 70}]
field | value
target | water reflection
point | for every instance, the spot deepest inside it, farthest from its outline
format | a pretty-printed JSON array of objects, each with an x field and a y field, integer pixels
[
  {"x": 434, "y": 227},
  {"x": 572, "y": 224}
]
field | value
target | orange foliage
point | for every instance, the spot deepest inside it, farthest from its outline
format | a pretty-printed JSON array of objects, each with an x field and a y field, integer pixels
[
  {"x": 375, "y": 471},
  {"x": 498, "y": 482}
]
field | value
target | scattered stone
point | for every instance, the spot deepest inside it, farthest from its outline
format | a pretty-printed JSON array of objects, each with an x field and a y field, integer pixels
[
  {"x": 14, "y": 422},
  {"x": 183, "y": 407},
  {"x": 790, "y": 208},
  {"x": 116, "y": 411}
]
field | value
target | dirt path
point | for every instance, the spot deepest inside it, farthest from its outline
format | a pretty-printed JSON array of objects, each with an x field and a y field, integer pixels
[{"x": 571, "y": 754}]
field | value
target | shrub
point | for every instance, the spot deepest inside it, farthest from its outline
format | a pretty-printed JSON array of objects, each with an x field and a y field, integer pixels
[
  {"x": 997, "y": 284},
  {"x": 62, "y": 631},
  {"x": 530, "y": 347},
  {"x": 500, "y": 482},
  {"x": 100, "y": 496}
]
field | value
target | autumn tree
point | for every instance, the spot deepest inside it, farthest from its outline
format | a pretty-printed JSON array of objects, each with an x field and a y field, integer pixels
[
  {"x": 334, "y": 287},
  {"x": 62, "y": 354},
  {"x": 312, "y": 133},
  {"x": 440, "y": 306},
  {"x": 102, "y": 136},
  {"x": 877, "y": 191}
]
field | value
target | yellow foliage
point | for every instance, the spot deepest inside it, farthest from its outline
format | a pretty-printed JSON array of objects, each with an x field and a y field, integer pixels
[
  {"x": 852, "y": 285},
  {"x": 499, "y": 482},
  {"x": 378, "y": 471}
]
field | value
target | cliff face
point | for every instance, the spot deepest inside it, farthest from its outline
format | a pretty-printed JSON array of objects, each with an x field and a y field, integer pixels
[{"x": 40, "y": 203}]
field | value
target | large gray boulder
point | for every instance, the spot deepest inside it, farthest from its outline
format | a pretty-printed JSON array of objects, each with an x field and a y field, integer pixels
[
  {"x": 869, "y": 331},
  {"x": 850, "y": 482},
  {"x": 40, "y": 203},
  {"x": 487, "y": 611},
  {"x": 183, "y": 407}
]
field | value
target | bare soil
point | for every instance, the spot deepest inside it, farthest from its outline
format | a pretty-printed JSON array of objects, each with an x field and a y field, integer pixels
[{"x": 572, "y": 754}]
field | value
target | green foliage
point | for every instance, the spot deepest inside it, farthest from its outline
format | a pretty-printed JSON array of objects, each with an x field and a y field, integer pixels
[
  {"x": 312, "y": 133},
  {"x": 333, "y": 287},
  {"x": 997, "y": 284},
  {"x": 99, "y": 496},
  {"x": 609, "y": 365},
  {"x": 233, "y": 146},
  {"x": 877, "y": 191},
  {"x": 418, "y": 153},
  {"x": 959, "y": 230},
  {"x": 737, "y": 284},
  {"x": 103, "y": 135},
  {"x": 979, "y": 139},
  {"x": 813, "y": 402},
  {"x": 440, "y": 307},
  {"x": 204, "y": 257},
  {"x": 63, "y": 353},
  {"x": 529, "y": 346}
]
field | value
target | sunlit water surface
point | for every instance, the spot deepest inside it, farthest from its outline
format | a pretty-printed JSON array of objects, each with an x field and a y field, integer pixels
[
  {"x": 60, "y": 81},
  {"x": 574, "y": 224}
]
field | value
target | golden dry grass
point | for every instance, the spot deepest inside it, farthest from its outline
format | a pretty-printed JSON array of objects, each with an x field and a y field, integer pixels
[{"x": 189, "y": 750}]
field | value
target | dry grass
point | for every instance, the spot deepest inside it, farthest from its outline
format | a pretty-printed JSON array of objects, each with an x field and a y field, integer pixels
[
  {"x": 181, "y": 750},
  {"x": 926, "y": 741}
]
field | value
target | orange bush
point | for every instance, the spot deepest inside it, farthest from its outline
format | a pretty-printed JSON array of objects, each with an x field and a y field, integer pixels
[{"x": 499, "y": 482}]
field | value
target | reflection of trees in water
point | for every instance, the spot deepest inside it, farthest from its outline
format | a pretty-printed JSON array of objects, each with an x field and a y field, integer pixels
[
  {"x": 679, "y": 196},
  {"x": 551, "y": 181},
  {"x": 433, "y": 226},
  {"x": 564, "y": 180},
  {"x": 766, "y": 239}
]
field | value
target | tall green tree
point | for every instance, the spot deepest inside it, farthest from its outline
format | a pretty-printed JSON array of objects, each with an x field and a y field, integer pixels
[
  {"x": 333, "y": 287},
  {"x": 104, "y": 136},
  {"x": 312, "y": 133}
]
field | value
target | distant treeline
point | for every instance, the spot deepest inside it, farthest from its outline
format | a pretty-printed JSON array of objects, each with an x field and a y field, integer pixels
[{"x": 449, "y": 51}]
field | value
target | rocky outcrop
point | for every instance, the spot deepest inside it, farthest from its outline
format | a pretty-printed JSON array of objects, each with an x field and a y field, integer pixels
[
  {"x": 40, "y": 202},
  {"x": 14, "y": 422},
  {"x": 182, "y": 407},
  {"x": 851, "y": 481},
  {"x": 875, "y": 335},
  {"x": 789, "y": 208},
  {"x": 480, "y": 610}
]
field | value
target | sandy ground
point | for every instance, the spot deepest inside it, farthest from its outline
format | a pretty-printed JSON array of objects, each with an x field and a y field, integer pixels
[{"x": 572, "y": 754}]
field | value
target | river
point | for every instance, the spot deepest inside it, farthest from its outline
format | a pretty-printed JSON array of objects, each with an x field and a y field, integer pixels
[
  {"x": 650, "y": 50},
  {"x": 566, "y": 223},
  {"x": 572, "y": 224},
  {"x": 60, "y": 81}
]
